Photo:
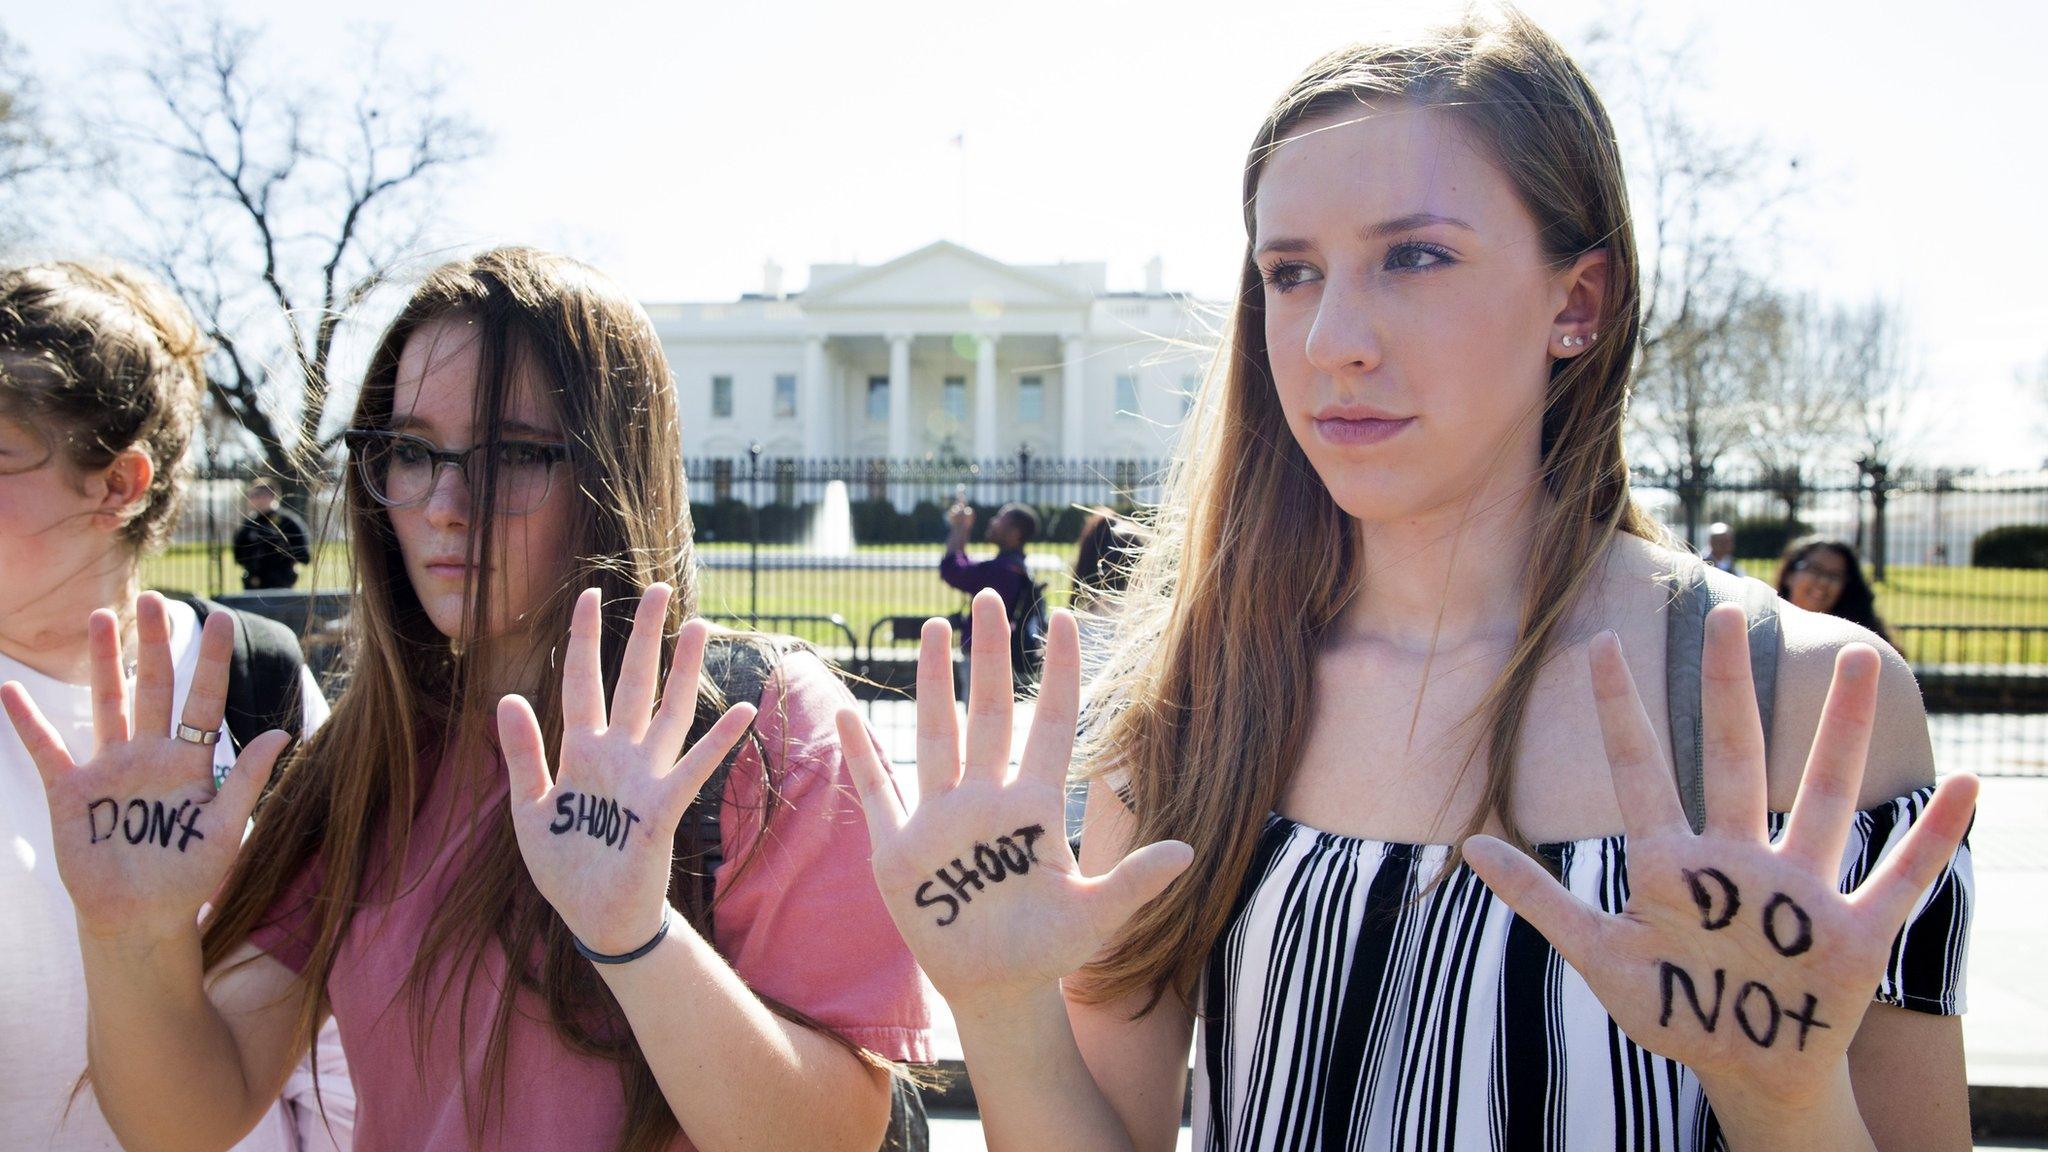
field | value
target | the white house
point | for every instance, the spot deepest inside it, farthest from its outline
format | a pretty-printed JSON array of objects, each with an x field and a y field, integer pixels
[{"x": 942, "y": 352}]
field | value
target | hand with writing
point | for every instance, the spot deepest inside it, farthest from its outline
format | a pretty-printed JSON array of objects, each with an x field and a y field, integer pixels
[
  {"x": 1734, "y": 956},
  {"x": 979, "y": 879},
  {"x": 142, "y": 838},
  {"x": 597, "y": 834}
]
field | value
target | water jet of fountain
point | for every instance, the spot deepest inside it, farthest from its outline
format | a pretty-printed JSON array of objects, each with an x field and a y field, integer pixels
[{"x": 831, "y": 531}]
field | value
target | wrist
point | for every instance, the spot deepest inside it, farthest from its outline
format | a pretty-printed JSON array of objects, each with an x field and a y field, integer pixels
[
  {"x": 626, "y": 938},
  {"x": 994, "y": 1007},
  {"x": 142, "y": 943},
  {"x": 1761, "y": 1115}
]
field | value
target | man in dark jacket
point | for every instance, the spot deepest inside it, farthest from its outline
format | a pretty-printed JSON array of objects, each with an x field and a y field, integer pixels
[
  {"x": 271, "y": 544},
  {"x": 1014, "y": 526}
]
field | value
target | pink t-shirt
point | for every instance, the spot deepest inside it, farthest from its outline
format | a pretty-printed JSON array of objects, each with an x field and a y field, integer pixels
[{"x": 802, "y": 923}]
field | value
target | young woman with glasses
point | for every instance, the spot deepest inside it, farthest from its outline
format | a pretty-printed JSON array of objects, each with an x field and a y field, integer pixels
[
  {"x": 1826, "y": 576},
  {"x": 481, "y": 866}
]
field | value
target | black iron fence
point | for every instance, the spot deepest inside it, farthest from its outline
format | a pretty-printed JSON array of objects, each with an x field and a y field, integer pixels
[
  {"x": 844, "y": 553},
  {"x": 199, "y": 557}
]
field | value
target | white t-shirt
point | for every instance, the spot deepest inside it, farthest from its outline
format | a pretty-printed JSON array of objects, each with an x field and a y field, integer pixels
[{"x": 42, "y": 978}]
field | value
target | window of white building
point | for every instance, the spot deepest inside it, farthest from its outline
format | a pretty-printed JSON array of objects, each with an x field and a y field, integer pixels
[
  {"x": 721, "y": 397},
  {"x": 785, "y": 396},
  {"x": 878, "y": 398},
  {"x": 1127, "y": 395},
  {"x": 954, "y": 397},
  {"x": 1031, "y": 399}
]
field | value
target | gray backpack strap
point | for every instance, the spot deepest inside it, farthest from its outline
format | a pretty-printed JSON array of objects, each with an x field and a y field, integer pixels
[{"x": 1698, "y": 590}]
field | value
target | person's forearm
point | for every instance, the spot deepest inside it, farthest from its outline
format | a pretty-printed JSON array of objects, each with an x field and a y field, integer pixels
[
  {"x": 1030, "y": 1083},
  {"x": 1829, "y": 1122},
  {"x": 958, "y": 571},
  {"x": 164, "y": 1065},
  {"x": 736, "y": 1074}
]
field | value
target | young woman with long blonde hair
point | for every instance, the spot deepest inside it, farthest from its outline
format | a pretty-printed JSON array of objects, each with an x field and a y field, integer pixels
[{"x": 1414, "y": 713}]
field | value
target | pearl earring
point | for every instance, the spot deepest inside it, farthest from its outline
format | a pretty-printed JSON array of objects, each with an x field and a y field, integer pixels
[{"x": 1579, "y": 341}]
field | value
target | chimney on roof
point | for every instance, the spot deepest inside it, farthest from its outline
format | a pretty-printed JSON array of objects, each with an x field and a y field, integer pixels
[
  {"x": 771, "y": 280},
  {"x": 1155, "y": 277}
]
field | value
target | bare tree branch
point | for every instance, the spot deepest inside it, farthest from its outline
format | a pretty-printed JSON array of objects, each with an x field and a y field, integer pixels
[
  {"x": 36, "y": 150},
  {"x": 1700, "y": 202},
  {"x": 275, "y": 207}
]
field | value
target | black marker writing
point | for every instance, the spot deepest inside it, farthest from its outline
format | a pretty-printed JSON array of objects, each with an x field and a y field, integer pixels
[
  {"x": 144, "y": 821},
  {"x": 1806, "y": 1019},
  {"x": 1731, "y": 900},
  {"x": 1672, "y": 975},
  {"x": 1757, "y": 1009},
  {"x": 92, "y": 818},
  {"x": 1803, "y": 926},
  {"x": 1742, "y": 1011},
  {"x": 1011, "y": 855},
  {"x": 595, "y": 816}
]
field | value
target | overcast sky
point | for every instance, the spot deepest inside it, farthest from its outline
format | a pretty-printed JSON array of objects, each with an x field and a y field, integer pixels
[{"x": 678, "y": 145}]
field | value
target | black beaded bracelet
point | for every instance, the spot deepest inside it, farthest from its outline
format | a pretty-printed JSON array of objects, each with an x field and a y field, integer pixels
[{"x": 623, "y": 957}]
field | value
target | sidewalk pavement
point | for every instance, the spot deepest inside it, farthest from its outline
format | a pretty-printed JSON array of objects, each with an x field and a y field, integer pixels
[{"x": 2005, "y": 1030}]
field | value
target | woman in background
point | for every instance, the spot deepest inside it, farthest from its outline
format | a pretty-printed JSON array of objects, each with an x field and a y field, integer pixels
[{"x": 1823, "y": 575}]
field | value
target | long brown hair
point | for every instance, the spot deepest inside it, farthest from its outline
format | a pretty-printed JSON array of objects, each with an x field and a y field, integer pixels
[
  {"x": 413, "y": 694},
  {"x": 1205, "y": 705}
]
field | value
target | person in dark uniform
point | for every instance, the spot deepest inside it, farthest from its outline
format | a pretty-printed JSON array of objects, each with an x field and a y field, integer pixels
[{"x": 271, "y": 543}]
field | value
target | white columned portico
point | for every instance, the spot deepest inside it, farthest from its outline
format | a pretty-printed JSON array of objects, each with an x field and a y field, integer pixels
[
  {"x": 1073, "y": 422},
  {"x": 985, "y": 397},
  {"x": 817, "y": 393},
  {"x": 899, "y": 395}
]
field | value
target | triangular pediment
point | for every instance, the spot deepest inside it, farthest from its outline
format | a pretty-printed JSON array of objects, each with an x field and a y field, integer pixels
[{"x": 943, "y": 274}]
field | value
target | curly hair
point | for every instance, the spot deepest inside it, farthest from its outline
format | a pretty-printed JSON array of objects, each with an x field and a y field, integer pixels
[{"x": 98, "y": 360}]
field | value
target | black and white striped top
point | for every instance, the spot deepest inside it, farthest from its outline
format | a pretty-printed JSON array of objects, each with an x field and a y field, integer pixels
[{"x": 1342, "y": 1012}]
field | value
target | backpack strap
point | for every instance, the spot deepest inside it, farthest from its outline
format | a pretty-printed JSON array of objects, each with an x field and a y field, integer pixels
[
  {"x": 741, "y": 670},
  {"x": 1029, "y": 626},
  {"x": 1699, "y": 588},
  {"x": 264, "y": 678}
]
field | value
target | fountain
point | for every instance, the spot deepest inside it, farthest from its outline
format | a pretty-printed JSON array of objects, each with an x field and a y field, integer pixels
[{"x": 831, "y": 532}]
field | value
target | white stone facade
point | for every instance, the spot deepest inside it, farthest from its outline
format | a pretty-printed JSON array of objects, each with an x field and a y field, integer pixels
[{"x": 940, "y": 353}]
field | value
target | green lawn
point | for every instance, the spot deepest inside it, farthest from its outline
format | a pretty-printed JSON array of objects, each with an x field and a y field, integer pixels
[
  {"x": 1984, "y": 597},
  {"x": 191, "y": 568},
  {"x": 1913, "y": 595},
  {"x": 862, "y": 596}
]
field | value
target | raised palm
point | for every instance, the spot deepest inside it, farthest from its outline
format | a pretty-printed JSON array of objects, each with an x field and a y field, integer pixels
[
  {"x": 142, "y": 838},
  {"x": 979, "y": 879},
  {"x": 597, "y": 834},
  {"x": 1735, "y": 956}
]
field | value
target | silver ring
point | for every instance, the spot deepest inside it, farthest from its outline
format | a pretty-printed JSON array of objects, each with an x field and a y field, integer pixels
[{"x": 191, "y": 735}]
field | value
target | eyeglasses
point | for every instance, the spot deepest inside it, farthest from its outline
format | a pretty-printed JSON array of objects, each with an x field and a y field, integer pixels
[
  {"x": 401, "y": 470},
  {"x": 1824, "y": 575}
]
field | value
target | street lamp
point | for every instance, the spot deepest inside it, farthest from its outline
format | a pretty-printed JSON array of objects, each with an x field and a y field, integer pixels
[{"x": 754, "y": 534}]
